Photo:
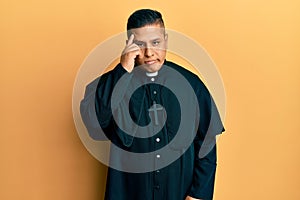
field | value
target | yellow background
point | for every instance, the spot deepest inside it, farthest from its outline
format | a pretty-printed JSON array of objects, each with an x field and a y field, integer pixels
[{"x": 255, "y": 44}]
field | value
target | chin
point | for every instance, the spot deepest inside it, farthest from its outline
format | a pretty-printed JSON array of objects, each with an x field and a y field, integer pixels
[{"x": 152, "y": 68}]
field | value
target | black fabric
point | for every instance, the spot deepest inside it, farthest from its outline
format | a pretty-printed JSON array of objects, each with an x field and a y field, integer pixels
[{"x": 191, "y": 174}]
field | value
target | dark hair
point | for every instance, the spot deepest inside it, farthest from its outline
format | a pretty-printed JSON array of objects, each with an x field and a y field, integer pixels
[{"x": 144, "y": 17}]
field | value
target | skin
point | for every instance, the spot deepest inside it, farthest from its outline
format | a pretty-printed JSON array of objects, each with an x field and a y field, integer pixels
[
  {"x": 191, "y": 198},
  {"x": 146, "y": 47}
]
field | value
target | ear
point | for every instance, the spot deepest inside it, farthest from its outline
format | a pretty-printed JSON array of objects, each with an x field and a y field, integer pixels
[{"x": 166, "y": 39}]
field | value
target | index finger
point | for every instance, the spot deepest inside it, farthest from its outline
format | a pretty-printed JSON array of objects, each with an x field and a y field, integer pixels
[{"x": 130, "y": 40}]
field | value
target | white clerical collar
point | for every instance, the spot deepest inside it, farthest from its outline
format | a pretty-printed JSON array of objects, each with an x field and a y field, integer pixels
[{"x": 151, "y": 74}]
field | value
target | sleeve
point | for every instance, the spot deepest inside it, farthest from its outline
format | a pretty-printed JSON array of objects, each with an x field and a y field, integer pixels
[
  {"x": 88, "y": 114},
  {"x": 95, "y": 108},
  {"x": 205, "y": 161},
  {"x": 112, "y": 114}
]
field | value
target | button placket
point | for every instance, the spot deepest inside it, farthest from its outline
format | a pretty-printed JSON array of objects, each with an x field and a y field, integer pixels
[{"x": 154, "y": 99}]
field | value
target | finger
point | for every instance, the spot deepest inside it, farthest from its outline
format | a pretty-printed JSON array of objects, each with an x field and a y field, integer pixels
[
  {"x": 130, "y": 40},
  {"x": 132, "y": 47},
  {"x": 133, "y": 50},
  {"x": 135, "y": 53}
]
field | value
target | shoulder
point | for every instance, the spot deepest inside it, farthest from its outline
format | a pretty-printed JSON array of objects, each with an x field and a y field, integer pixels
[
  {"x": 112, "y": 75},
  {"x": 118, "y": 70},
  {"x": 192, "y": 78}
]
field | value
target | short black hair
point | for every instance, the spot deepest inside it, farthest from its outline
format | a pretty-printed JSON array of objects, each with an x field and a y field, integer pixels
[{"x": 143, "y": 17}]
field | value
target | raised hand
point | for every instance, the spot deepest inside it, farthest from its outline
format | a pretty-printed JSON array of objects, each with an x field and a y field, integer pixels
[{"x": 130, "y": 52}]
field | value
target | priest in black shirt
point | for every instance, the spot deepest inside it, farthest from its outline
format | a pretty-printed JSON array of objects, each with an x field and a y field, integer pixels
[{"x": 160, "y": 114}]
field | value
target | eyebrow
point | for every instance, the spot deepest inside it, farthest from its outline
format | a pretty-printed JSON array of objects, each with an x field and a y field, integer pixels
[
  {"x": 138, "y": 41},
  {"x": 145, "y": 42}
]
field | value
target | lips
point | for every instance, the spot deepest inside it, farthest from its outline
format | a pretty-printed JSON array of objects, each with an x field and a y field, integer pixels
[{"x": 150, "y": 62}]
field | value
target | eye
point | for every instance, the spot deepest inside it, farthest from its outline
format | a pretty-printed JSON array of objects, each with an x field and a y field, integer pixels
[
  {"x": 155, "y": 43},
  {"x": 140, "y": 44}
]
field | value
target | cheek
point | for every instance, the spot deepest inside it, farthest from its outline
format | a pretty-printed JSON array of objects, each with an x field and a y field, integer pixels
[{"x": 161, "y": 54}]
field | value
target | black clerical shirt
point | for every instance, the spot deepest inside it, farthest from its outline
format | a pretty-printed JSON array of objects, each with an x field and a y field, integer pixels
[{"x": 190, "y": 174}]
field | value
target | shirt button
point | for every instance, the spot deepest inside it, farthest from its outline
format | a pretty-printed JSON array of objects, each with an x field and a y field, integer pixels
[
  {"x": 154, "y": 92},
  {"x": 157, "y": 156},
  {"x": 157, "y": 139},
  {"x": 156, "y": 187},
  {"x": 152, "y": 79}
]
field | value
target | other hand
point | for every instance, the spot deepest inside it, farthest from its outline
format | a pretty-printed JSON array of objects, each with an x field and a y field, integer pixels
[{"x": 191, "y": 198}]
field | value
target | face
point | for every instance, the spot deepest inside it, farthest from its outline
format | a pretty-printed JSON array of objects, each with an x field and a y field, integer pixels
[{"x": 152, "y": 41}]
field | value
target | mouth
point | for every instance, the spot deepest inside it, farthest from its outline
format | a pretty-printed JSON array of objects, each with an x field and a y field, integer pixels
[{"x": 150, "y": 62}]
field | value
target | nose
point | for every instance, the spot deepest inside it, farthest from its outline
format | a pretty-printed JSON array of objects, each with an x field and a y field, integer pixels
[{"x": 148, "y": 52}]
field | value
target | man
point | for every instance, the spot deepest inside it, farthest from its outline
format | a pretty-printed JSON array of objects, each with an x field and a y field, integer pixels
[{"x": 146, "y": 115}]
